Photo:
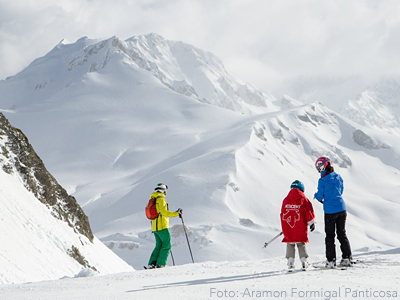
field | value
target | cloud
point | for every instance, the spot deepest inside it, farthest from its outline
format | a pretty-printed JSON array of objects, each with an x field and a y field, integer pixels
[{"x": 264, "y": 42}]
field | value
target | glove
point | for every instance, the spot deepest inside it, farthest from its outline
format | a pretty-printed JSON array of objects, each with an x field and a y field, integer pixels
[
  {"x": 322, "y": 201},
  {"x": 312, "y": 227},
  {"x": 180, "y": 211}
]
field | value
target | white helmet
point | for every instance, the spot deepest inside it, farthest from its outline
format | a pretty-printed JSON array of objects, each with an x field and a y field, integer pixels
[{"x": 161, "y": 188}]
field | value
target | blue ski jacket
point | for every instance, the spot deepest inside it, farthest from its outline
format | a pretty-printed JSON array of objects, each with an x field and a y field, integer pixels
[{"x": 330, "y": 189}]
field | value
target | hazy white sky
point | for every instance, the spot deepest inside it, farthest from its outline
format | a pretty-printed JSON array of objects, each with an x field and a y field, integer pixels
[{"x": 263, "y": 42}]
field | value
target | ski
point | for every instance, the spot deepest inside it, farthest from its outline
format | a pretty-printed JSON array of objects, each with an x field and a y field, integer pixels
[
  {"x": 295, "y": 270},
  {"x": 321, "y": 265},
  {"x": 291, "y": 270},
  {"x": 327, "y": 268},
  {"x": 152, "y": 268}
]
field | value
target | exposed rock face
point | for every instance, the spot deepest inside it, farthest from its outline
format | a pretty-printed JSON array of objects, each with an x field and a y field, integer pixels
[
  {"x": 366, "y": 141},
  {"x": 18, "y": 156}
]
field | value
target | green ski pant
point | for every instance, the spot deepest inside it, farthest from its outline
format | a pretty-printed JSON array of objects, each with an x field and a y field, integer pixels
[{"x": 163, "y": 247}]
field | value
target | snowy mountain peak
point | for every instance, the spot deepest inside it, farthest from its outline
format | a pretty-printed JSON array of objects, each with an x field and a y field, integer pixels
[
  {"x": 195, "y": 73},
  {"x": 180, "y": 67}
]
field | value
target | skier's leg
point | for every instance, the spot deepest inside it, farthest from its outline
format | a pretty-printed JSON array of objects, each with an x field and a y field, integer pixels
[
  {"x": 290, "y": 251},
  {"x": 156, "y": 251},
  {"x": 165, "y": 236},
  {"x": 290, "y": 254},
  {"x": 302, "y": 250},
  {"x": 303, "y": 255},
  {"x": 330, "y": 247},
  {"x": 342, "y": 236}
]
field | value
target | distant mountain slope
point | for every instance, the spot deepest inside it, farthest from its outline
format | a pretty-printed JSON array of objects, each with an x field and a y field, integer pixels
[
  {"x": 45, "y": 233},
  {"x": 378, "y": 105},
  {"x": 367, "y": 101}
]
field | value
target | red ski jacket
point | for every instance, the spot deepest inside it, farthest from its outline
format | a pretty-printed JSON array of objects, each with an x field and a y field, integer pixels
[{"x": 296, "y": 214}]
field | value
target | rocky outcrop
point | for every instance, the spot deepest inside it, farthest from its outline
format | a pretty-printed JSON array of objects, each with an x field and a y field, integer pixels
[
  {"x": 364, "y": 140},
  {"x": 17, "y": 156}
]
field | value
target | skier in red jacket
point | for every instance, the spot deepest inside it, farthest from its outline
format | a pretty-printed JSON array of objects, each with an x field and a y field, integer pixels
[{"x": 296, "y": 215}]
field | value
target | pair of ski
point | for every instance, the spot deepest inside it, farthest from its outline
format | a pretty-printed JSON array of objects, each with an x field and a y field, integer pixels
[
  {"x": 151, "y": 268},
  {"x": 322, "y": 265},
  {"x": 331, "y": 268}
]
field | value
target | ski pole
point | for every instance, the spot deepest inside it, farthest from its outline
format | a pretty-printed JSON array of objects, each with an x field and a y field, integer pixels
[
  {"x": 266, "y": 244},
  {"x": 173, "y": 261},
  {"x": 184, "y": 228}
]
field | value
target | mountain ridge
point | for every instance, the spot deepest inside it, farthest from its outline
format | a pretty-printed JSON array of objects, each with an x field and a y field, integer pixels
[{"x": 20, "y": 157}]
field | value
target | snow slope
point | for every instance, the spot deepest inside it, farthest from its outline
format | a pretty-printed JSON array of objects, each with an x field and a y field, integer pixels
[
  {"x": 110, "y": 127},
  {"x": 35, "y": 244},
  {"x": 260, "y": 279}
]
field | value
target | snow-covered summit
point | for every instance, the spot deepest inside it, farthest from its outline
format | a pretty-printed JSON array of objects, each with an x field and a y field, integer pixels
[
  {"x": 181, "y": 67},
  {"x": 193, "y": 72}
]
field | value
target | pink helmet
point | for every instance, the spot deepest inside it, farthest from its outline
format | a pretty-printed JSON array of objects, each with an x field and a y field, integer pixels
[{"x": 322, "y": 163}]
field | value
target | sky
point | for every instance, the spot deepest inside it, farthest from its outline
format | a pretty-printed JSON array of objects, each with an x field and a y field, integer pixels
[{"x": 264, "y": 42}]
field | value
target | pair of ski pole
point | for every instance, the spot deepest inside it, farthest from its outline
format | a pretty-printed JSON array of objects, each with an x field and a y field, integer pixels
[{"x": 190, "y": 250}]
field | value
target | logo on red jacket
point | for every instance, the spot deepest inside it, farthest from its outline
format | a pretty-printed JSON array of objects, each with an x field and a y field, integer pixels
[{"x": 292, "y": 215}]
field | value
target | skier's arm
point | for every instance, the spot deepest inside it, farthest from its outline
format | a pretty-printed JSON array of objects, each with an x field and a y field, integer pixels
[
  {"x": 309, "y": 212},
  {"x": 319, "y": 195},
  {"x": 341, "y": 185},
  {"x": 163, "y": 209}
]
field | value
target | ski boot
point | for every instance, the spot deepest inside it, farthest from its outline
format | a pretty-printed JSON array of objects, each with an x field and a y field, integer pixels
[
  {"x": 345, "y": 262},
  {"x": 330, "y": 264},
  {"x": 304, "y": 263},
  {"x": 290, "y": 264}
]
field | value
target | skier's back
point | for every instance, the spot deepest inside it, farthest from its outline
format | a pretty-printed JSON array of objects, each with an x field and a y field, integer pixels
[{"x": 296, "y": 215}]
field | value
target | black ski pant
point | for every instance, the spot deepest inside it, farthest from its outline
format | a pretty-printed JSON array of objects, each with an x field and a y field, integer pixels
[{"x": 336, "y": 221}]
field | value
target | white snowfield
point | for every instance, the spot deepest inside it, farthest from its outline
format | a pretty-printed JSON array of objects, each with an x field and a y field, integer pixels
[
  {"x": 377, "y": 278},
  {"x": 113, "y": 118}
]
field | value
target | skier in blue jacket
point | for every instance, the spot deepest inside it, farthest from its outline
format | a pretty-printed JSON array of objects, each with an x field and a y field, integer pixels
[{"x": 330, "y": 190}]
